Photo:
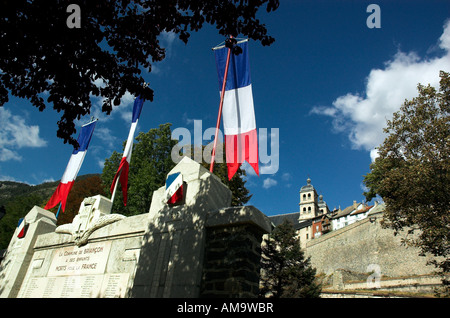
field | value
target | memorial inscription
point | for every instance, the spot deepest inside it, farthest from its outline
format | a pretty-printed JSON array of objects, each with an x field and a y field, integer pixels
[
  {"x": 78, "y": 272},
  {"x": 87, "y": 260}
]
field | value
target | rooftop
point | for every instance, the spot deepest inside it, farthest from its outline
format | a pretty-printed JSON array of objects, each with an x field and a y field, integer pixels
[{"x": 307, "y": 187}]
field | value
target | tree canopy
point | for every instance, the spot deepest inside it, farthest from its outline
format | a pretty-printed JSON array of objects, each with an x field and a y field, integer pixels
[
  {"x": 82, "y": 188},
  {"x": 412, "y": 172},
  {"x": 42, "y": 57}
]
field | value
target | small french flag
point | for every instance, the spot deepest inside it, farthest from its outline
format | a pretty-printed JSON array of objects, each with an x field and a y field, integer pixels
[
  {"x": 174, "y": 188},
  {"x": 124, "y": 166},
  {"x": 22, "y": 226}
]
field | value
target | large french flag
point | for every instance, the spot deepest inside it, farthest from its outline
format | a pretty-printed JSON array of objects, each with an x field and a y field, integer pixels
[
  {"x": 74, "y": 165},
  {"x": 124, "y": 166},
  {"x": 241, "y": 141}
]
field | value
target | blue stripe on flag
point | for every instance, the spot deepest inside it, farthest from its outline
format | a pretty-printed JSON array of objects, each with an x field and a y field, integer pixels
[
  {"x": 85, "y": 137},
  {"x": 238, "y": 69},
  {"x": 171, "y": 178},
  {"x": 138, "y": 102}
]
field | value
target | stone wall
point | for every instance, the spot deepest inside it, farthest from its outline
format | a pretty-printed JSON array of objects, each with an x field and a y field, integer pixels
[{"x": 364, "y": 245}]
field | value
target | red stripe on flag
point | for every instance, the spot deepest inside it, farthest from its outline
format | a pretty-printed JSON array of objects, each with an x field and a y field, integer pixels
[
  {"x": 60, "y": 195},
  {"x": 240, "y": 148},
  {"x": 177, "y": 196},
  {"x": 124, "y": 167}
]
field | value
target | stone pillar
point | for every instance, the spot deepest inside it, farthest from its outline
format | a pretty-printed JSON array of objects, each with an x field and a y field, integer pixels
[
  {"x": 14, "y": 266},
  {"x": 233, "y": 252}
]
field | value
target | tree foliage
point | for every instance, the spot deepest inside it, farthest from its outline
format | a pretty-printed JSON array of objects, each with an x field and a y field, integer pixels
[
  {"x": 286, "y": 273},
  {"x": 412, "y": 172},
  {"x": 150, "y": 162},
  {"x": 41, "y": 57},
  {"x": 82, "y": 188}
]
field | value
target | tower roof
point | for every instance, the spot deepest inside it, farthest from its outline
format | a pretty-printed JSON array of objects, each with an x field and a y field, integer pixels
[{"x": 307, "y": 187}]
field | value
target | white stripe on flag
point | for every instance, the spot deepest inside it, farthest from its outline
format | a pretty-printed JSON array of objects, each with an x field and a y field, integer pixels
[
  {"x": 129, "y": 146},
  {"x": 174, "y": 186},
  {"x": 238, "y": 111},
  {"x": 73, "y": 167}
]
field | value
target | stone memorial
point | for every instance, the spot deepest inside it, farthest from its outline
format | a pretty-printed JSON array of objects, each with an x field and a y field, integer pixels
[{"x": 195, "y": 245}]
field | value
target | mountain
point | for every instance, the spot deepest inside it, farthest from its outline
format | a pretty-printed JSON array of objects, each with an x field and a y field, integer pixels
[{"x": 10, "y": 190}]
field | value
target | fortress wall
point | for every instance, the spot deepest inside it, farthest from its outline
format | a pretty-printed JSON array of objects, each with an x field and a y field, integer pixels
[{"x": 355, "y": 247}]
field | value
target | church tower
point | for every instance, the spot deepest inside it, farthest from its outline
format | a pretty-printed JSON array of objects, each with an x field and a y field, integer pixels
[
  {"x": 308, "y": 201},
  {"x": 323, "y": 207}
]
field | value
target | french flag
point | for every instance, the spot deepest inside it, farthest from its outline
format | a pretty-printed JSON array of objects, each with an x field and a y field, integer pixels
[
  {"x": 22, "y": 227},
  {"x": 74, "y": 165},
  {"x": 174, "y": 188},
  {"x": 241, "y": 141},
  {"x": 124, "y": 166}
]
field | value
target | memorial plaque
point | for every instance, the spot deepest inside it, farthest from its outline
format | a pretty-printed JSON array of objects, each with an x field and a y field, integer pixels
[{"x": 86, "y": 260}]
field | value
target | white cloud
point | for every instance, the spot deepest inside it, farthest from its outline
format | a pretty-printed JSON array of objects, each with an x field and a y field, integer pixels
[
  {"x": 125, "y": 108},
  {"x": 187, "y": 120},
  {"x": 364, "y": 117},
  {"x": 167, "y": 40},
  {"x": 6, "y": 154},
  {"x": 16, "y": 134},
  {"x": 269, "y": 182},
  {"x": 286, "y": 176},
  {"x": 105, "y": 135}
]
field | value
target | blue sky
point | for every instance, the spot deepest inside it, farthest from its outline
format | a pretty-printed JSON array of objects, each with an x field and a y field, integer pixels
[{"x": 328, "y": 83}]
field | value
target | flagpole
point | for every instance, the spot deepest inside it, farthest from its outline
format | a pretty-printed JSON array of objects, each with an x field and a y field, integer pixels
[
  {"x": 222, "y": 94},
  {"x": 59, "y": 209},
  {"x": 115, "y": 188}
]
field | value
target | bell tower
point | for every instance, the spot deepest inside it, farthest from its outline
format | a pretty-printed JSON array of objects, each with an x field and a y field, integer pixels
[{"x": 308, "y": 201}]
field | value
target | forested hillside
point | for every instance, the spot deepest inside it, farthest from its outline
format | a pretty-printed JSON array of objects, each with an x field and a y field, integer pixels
[{"x": 19, "y": 198}]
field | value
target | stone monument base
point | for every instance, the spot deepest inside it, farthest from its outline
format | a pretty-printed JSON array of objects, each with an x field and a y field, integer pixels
[{"x": 200, "y": 247}]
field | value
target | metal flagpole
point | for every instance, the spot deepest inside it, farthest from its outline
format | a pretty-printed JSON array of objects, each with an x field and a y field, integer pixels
[
  {"x": 59, "y": 209},
  {"x": 115, "y": 188},
  {"x": 222, "y": 94}
]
